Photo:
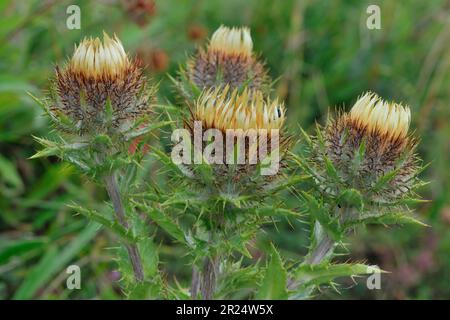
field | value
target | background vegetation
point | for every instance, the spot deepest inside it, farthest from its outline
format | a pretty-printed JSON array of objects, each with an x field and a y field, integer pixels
[{"x": 324, "y": 56}]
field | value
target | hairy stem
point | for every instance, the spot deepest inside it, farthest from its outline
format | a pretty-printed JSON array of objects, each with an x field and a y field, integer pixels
[
  {"x": 209, "y": 272},
  {"x": 132, "y": 249},
  {"x": 195, "y": 282},
  {"x": 323, "y": 249},
  {"x": 209, "y": 277}
]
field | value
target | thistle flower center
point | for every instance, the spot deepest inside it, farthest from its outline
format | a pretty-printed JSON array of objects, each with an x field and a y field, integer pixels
[
  {"x": 232, "y": 41},
  {"x": 382, "y": 117},
  {"x": 220, "y": 109},
  {"x": 95, "y": 59}
]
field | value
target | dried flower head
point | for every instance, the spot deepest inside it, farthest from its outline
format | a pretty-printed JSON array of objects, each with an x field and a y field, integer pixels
[
  {"x": 370, "y": 145},
  {"x": 228, "y": 59},
  {"x": 100, "y": 89}
]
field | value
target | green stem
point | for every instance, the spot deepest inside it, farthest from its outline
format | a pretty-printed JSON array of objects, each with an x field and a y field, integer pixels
[
  {"x": 325, "y": 246},
  {"x": 209, "y": 277},
  {"x": 195, "y": 282},
  {"x": 209, "y": 272},
  {"x": 321, "y": 251},
  {"x": 132, "y": 249}
]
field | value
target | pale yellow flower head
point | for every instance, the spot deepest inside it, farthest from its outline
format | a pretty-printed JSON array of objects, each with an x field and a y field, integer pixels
[
  {"x": 94, "y": 58},
  {"x": 232, "y": 41},
  {"x": 221, "y": 109},
  {"x": 389, "y": 119}
]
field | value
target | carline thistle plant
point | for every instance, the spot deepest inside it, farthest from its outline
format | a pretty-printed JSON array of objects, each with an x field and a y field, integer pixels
[
  {"x": 99, "y": 103},
  {"x": 237, "y": 134},
  {"x": 365, "y": 170},
  {"x": 229, "y": 160},
  {"x": 230, "y": 154}
]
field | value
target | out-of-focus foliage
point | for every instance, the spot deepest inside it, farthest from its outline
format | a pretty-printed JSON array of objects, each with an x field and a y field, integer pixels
[{"x": 324, "y": 56}]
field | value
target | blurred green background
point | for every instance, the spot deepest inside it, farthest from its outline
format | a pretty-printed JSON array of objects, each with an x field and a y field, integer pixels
[{"x": 324, "y": 56}]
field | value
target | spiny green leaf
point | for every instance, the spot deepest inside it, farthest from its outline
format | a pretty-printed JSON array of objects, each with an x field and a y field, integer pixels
[
  {"x": 150, "y": 257},
  {"x": 205, "y": 171},
  {"x": 306, "y": 136},
  {"x": 331, "y": 170},
  {"x": 390, "y": 218},
  {"x": 143, "y": 290},
  {"x": 144, "y": 130},
  {"x": 319, "y": 213},
  {"x": 308, "y": 275},
  {"x": 114, "y": 226},
  {"x": 165, "y": 159},
  {"x": 402, "y": 202},
  {"x": 237, "y": 277},
  {"x": 274, "y": 282},
  {"x": 359, "y": 155},
  {"x": 274, "y": 211},
  {"x": 411, "y": 201},
  {"x": 351, "y": 198},
  {"x": 286, "y": 183},
  {"x": 384, "y": 180},
  {"x": 165, "y": 222},
  {"x": 54, "y": 148},
  {"x": 239, "y": 242}
]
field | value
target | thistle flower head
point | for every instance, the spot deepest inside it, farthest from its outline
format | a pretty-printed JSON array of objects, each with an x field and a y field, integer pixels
[
  {"x": 223, "y": 110},
  {"x": 100, "y": 89},
  {"x": 242, "y": 138},
  {"x": 232, "y": 41},
  {"x": 227, "y": 60},
  {"x": 369, "y": 144}
]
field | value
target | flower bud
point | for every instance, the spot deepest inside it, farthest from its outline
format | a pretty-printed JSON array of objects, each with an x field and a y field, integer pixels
[
  {"x": 370, "y": 142},
  {"x": 101, "y": 89},
  {"x": 227, "y": 60},
  {"x": 240, "y": 135}
]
